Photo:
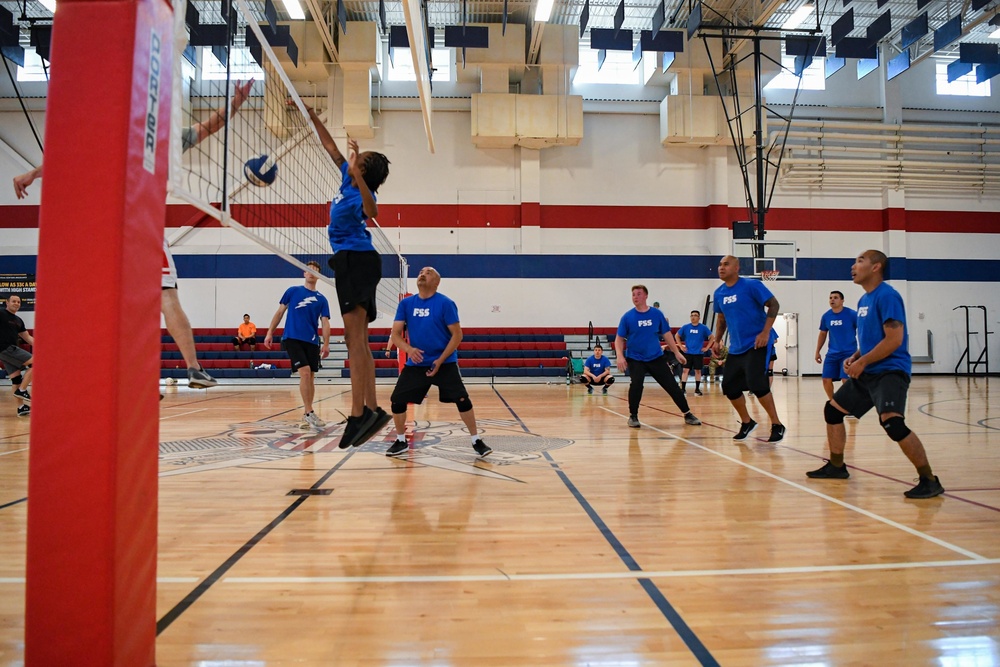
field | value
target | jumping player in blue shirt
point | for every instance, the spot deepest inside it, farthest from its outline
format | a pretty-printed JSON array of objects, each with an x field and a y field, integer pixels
[
  {"x": 841, "y": 324},
  {"x": 435, "y": 333},
  {"x": 597, "y": 370},
  {"x": 643, "y": 327},
  {"x": 697, "y": 339},
  {"x": 748, "y": 310},
  {"x": 357, "y": 267},
  {"x": 878, "y": 377}
]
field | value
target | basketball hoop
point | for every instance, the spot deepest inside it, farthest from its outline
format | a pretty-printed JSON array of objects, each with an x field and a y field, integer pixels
[{"x": 769, "y": 275}]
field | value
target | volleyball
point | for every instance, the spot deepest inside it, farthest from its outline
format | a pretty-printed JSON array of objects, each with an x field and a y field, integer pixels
[
  {"x": 171, "y": 381},
  {"x": 260, "y": 171}
]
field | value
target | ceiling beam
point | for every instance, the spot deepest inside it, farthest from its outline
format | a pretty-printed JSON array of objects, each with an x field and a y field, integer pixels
[{"x": 323, "y": 27}]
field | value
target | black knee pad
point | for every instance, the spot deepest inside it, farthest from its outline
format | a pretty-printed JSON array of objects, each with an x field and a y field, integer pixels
[
  {"x": 895, "y": 428},
  {"x": 610, "y": 381},
  {"x": 832, "y": 414},
  {"x": 16, "y": 380},
  {"x": 399, "y": 408},
  {"x": 464, "y": 404},
  {"x": 734, "y": 396},
  {"x": 761, "y": 394}
]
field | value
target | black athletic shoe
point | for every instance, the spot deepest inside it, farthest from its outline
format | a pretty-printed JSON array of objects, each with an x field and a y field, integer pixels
[
  {"x": 23, "y": 395},
  {"x": 354, "y": 427},
  {"x": 24, "y": 411},
  {"x": 691, "y": 420},
  {"x": 777, "y": 433},
  {"x": 481, "y": 448},
  {"x": 697, "y": 392},
  {"x": 925, "y": 488},
  {"x": 381, "y": 418},
  {"x": 633, "y": 422},
  {"x": 829, "y": 471},
  {"x": 745, "y": 430},
  {"x": 398, "y": 448}
]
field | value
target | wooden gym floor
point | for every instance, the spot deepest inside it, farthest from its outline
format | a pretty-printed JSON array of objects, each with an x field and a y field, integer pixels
[{"x": 578, "y": 542}]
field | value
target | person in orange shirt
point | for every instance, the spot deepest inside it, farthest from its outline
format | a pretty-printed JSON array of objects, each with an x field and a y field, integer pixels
[{"x": 246, "y": 333}]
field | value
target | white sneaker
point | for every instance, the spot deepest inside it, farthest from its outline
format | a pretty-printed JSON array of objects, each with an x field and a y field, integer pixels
[{"x": 314, "y": 421}]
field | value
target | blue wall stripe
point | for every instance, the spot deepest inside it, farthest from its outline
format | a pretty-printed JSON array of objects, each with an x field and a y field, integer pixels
[{"x": 631, "y": 267}]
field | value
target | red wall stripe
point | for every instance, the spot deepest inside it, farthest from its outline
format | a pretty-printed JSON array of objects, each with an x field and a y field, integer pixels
[{"x": 714, "y": 216}]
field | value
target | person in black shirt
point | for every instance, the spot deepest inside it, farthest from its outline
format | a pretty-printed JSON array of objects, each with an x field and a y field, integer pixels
[{"x": 16, "y": 361}]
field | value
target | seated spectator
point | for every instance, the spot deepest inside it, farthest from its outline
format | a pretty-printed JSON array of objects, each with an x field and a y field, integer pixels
[
  {"x": 597, "y": 370},
  {"x": 246, "y": 333}
]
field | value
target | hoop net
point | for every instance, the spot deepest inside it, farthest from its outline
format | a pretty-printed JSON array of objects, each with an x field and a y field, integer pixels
[
  {"x": 769, "y": 275},
  {"x": 289, "y": 218}
]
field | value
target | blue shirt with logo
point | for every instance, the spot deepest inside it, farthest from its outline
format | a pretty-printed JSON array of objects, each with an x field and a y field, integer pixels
[
  {"x": 694, "y": 337},
  {"x": 643, "y": 331},
  {"x": 743, "y": 307},
  {"x": 875, "y": 309},
  {"x": 597, "y": 366},
  {"x": 427, "y": 321},
  {"x": 305, "y": 308},
  {"x": 843, "y": 330},
  {"x": 347, "y": 218}
]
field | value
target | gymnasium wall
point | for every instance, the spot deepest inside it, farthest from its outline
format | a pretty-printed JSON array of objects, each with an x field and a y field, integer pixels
[{"x": 557, "y": 237}]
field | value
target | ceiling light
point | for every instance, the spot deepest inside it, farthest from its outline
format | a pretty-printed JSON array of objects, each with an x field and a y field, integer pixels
[
  {"x": 543, "y": 10},
  {"x": 294, "y": 9},
  {"x": 798, "y": 17},
  {"x": 49, "y": 5},
  {"x": 995, "y": 34}
]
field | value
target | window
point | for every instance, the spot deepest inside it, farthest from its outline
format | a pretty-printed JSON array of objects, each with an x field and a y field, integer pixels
[
  {"x": 33, "y": 69},
  {"x": 400, "y": 66},
  {"x": 618, "y": 68},
  {"x": 963, "y": 85},
  {"x": 813, "y": 78},
  {"x": 242, "y": 66}
]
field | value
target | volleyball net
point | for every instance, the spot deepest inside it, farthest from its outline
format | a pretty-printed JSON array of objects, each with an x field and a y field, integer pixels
[{"x": 261, "y": 170}]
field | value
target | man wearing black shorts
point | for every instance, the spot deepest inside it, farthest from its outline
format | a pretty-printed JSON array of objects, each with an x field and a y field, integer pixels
[
  {"x": 15, "y": 360},
  {"x": 308, "y": 309},
  {"x": 878, "y": 377},
  {"x": 748, "y": 310},
  {"x": 432, "y": 358},
  {"x": 697, "y": 339}
]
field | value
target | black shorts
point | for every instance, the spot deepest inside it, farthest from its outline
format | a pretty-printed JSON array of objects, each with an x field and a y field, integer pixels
[
  {"x": 746, "y": 372},
  {"x": 357, "y": 274},
  {"x": 301, "y": 353},
  {"x": 252, "y": 340},
  {"x": 695, "y": 361},
  {"x": 14, "y": 359},
  {"x": 608, "y": 381},
  {"x": 886, "y": 392},
  {"x": 413, "y": 384}
]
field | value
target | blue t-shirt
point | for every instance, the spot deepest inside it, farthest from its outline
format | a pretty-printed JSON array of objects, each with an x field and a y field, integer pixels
[
  {"x": 597, "y": 366},
  {"x": 347, "y": 217},
  {"x": 643, "y": 331},
  {"x": 427, "y": 321},
  {"x": 843, "y": 329},
  {"x": 743, "y": 307},
  {"x": 874, "y": 309},
  {"x": 694, "y": 337},
  {"x": 305, "y": 307}
]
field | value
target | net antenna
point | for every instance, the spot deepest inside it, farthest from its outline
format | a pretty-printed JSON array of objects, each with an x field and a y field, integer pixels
[{"x": 267, "y": 176}]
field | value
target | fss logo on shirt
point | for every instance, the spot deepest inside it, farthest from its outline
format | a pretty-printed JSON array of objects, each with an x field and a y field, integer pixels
[
  {"x": 421, "y": 312},
  {"x": 836, "y": 323},
  {"x": 729, "y": 299},
  {"x": 645, "y": 323},
  {"x": 863, "y": 311}
]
